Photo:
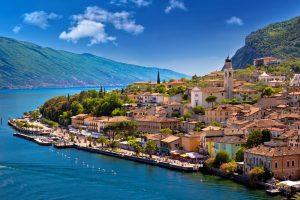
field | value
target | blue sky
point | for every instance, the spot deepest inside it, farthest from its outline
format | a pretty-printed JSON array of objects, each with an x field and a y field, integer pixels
[{"x": 189, "y": 36}]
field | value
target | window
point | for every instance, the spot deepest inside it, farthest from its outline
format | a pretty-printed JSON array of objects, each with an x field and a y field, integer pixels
[
  {"x": 276, "y": 165},
  {"x": 293, "y": 163},
  {"x": 288, "y": 163}
]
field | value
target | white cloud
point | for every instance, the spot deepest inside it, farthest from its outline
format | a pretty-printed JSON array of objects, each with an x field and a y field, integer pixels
[
  {"x": 235, "y": 21},
  {"x": 93, "y": 21},
  {"x": 40, "y": 18},
  {"x": 138, "y": 3},
  {"x": 16, "y": 29},
  {"x": 175, "y": 4},
  {"x": 87, "y": 28}
]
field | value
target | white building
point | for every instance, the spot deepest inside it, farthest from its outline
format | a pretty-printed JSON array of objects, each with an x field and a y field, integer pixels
[
  {"x": 151, "y": 98},
  {"x": 271, "y": 80},
  {"x": 295, "y": 80},
  {"x": 196, "y": 97}
]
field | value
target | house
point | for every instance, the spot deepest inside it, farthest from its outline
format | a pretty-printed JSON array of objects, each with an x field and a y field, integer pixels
[
  {"x": 174, "y": 109},
  {"x": 198, "y": 96},
  {"x": 283, "y": 162},
  {"x": 98, "y": 124},
  {"x": 219, "y": 114},
  {"x": 171, "y": 143},
  {"x": 151, "y": 98},
  {"x": 153, "y": 124},
  {"x": 270, "y": 80},
  {"x": 190, "y": 142},
  {"x": 229, "y": 144},
  {"x": 294, "y": 98},
  {"x": 263, "y": 124},
  {"x": 78, "y": 120},
  {"x": 266, "y": 61},
  {"x": 295, "y": 81}
]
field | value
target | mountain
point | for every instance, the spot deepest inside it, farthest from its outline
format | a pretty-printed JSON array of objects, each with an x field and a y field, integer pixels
[
  {"x": 281, "y": 40},
  {"x": 26, "y": 65}
]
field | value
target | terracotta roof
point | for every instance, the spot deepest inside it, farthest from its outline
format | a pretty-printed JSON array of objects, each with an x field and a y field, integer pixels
[
  {"x": 274, "y": 152},
  {"x": 212, "y": 128},
  {"x": 170, "y": 139},
  {"x": 265, "y": 124},
  {"x": 231, "y": 140},
  {"x": 212, "y": 89},
  {"x": 156, "y": 119}
]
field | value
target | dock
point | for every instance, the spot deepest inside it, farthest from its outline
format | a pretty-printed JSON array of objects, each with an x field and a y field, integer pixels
[{"x": 32, "y": 138}]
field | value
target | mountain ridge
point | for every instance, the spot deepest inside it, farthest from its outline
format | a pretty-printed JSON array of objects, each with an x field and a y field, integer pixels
[
  {"x": 280, "y": 39},
  {"x": 28, "y": 65}
]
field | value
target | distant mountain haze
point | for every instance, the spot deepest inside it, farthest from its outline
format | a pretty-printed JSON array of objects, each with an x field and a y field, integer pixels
[
  {"x": 281, "y": 40},
  {"x": 26, "y": 65}
]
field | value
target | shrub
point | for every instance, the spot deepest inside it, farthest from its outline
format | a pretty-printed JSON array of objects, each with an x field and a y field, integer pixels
[
  {"x": 221, "y": 157},
  {"x": 229, "y": 168},
  {"x": 239, "y": 155}
]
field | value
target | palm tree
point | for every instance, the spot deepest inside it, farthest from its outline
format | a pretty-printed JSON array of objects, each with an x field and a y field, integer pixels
[
  {"x": 211, "y": 99},
  {"x": 102, "y": 140},
  {"x": 90, "y": 139}
]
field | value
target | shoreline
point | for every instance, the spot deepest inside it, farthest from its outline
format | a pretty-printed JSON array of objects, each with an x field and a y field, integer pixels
[
  {"x": 139, "y": 159},
  {"x": 193, "y": 168}
]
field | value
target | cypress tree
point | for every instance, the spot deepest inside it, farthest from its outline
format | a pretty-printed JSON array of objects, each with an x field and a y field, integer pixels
[{"x": 158, "y": 78}]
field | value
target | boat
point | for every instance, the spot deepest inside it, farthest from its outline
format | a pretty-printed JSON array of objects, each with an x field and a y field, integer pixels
[
  {"x": 63, "y": 145},
  {"x": 43, "y": 141},
  {"x": 273, "y": 191}
]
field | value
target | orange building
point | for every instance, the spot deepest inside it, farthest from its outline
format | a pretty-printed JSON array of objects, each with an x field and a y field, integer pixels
[
  {"x": 283, "y": 162},
  {"x": 190, "y": 142}
]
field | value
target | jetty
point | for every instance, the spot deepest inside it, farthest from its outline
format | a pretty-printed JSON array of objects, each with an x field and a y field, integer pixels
[{"x": 36, "y": 139}]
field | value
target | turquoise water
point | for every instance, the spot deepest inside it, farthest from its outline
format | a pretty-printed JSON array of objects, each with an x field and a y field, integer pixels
[{"x": 30, "y": 172}]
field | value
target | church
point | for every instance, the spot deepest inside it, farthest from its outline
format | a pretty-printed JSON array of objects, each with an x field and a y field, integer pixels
[{"x": 198, "y": 95}]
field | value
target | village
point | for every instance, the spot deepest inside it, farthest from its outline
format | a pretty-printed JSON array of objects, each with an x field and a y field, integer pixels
[{"x": 237, "y": 123}]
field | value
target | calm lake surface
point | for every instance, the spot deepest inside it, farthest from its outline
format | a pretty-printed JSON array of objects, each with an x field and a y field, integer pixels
[{"x": 30, "y": 172}]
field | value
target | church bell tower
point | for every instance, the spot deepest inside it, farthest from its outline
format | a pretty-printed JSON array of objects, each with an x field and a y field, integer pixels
[{"x": 228, "y": 78}]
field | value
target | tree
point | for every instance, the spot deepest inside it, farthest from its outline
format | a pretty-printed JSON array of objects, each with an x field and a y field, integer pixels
[
  {"x": 256, "y": 174},
  {"x": 158, "y": 78},
  {"x": 258, "y": 137},
  {"x": 229, "y": 168},
  {"x": 150, "y": 147},
  {"x": 110, "y": 102},
  {"x": 211, "y": 99},
  {"x": 102, "y": 140},
  {"x": 90, "y": 139},
  {"x": 199, "y": 110},
  {"x": 239, "y": 155},
  {"x": 160, "y": 89},
  {"x": 76, "y": 108},
  {"x": 187, "y": 115},
  {"x": 266, "y": 135},
  {"x": 221, "y": 157},
  {"x": 268, "y": 91},
  {"x": 118, "y": 112},
  {"x": 199, "y": 126},
  {"x": 72, "y": 137},
  {"x": 210, "y": 163},
  {"x": 123, "y": 129},
  {"x": 114, "y": 144},
  {"x": 136, "y": 146}
]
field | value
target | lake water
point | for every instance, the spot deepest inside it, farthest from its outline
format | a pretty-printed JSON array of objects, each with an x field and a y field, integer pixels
[{"x": 30, "y": 172}]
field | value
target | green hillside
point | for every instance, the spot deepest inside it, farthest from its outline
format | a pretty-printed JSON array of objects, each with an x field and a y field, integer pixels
[
  {"x": 26, "y": 65},
  {"x": 281, "y": 40}
]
